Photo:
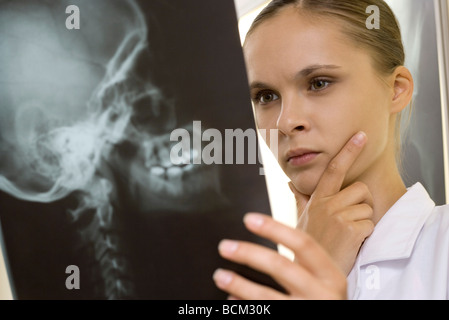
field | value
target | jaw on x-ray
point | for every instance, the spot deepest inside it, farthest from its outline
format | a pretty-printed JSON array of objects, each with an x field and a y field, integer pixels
[{"x": 81, "y": 114}]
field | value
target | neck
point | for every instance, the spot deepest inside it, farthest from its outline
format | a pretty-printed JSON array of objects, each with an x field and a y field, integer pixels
[{"x": 385, "y": 184}]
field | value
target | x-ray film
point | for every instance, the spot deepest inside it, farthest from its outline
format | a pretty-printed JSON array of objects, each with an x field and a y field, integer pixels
[{"x": 121, "y": 132}]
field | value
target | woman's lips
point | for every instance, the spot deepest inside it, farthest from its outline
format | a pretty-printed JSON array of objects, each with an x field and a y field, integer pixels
[{"x": 299, "y": 158}]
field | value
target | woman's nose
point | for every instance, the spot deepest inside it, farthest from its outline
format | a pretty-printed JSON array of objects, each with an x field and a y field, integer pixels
[{"x": 293, "y": 118}]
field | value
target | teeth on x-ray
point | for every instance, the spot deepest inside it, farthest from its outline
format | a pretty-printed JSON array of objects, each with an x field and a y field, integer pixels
[
  {"x": 166, "y": 170},
  {"x": 174, "y": 173},
  {"x": 157, "y": 171}
]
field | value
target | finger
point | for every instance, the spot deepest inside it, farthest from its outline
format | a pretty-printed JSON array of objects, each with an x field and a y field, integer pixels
[
  {"x": 238, "y": 286},
  {"x": 357, "y": 213},
  {"x": 365, "y": 228},
  {"x": 301, "y": 199},
  {"x": 307, "y": 251},
  {"x": 356, "y": 193},
  {"x": 332, "y": 179},
  {"x": 267, "y": 261}
]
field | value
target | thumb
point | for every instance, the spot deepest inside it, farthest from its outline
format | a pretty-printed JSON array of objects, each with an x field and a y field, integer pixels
[{"x": 301, "y": 199}]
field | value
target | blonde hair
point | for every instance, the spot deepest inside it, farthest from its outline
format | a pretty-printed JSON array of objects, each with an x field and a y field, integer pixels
[{"x": 384, "y": 44}]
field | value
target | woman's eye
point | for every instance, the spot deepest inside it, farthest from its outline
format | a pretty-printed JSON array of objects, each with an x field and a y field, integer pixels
[
  {"x": 266, "y": 97},
  {"x": 319, "y": 84}
]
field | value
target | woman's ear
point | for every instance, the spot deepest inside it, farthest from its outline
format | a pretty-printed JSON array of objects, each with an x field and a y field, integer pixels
[{"x": 403, "y": 87}]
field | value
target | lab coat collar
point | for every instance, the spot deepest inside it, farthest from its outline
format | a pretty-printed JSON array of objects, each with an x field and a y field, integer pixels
[{"x": 395, "y": 234}]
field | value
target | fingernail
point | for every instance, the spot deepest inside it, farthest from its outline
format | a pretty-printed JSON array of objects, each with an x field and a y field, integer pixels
[
  {"x": 253, "y": 220},
  {"x": 228, "y": 246},
  {"x": 359, "y": 138},
  {"x": 222, "y": 277}
]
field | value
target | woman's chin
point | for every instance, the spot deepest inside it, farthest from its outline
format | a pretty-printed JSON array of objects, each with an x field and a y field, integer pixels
[{"x": 305, "y": 184}]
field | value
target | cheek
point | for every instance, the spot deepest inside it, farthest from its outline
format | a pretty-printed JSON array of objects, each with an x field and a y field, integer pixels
[
  {"x": 374, "y": 120},
  {"x": 266, "y": 120},
  {"x": 375, "y": 149},
  {"x": 358, "y": 111},
  {"x": 363, "y": 115}
]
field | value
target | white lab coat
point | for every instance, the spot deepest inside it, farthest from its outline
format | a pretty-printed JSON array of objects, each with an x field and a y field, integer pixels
[{"x": 407, "y": 255}]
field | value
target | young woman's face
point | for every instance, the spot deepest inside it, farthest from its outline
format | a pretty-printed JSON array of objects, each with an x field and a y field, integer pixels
[{"x": 309, "y": 81}]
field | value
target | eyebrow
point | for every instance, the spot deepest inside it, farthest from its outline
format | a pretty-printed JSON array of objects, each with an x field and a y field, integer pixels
[
  {"x": 303, "y": 73},
  {"x": 311, "y": 69}
]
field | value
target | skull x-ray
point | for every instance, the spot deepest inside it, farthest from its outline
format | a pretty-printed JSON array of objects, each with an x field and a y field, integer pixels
[{"x": 90, "y": 94}]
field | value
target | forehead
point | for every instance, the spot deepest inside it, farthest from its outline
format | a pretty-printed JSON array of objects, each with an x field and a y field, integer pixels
[{"x": 291, "y": 40}]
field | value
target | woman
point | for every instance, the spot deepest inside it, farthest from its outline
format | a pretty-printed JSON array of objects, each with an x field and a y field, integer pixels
[{"x": 335, "y": 90}]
